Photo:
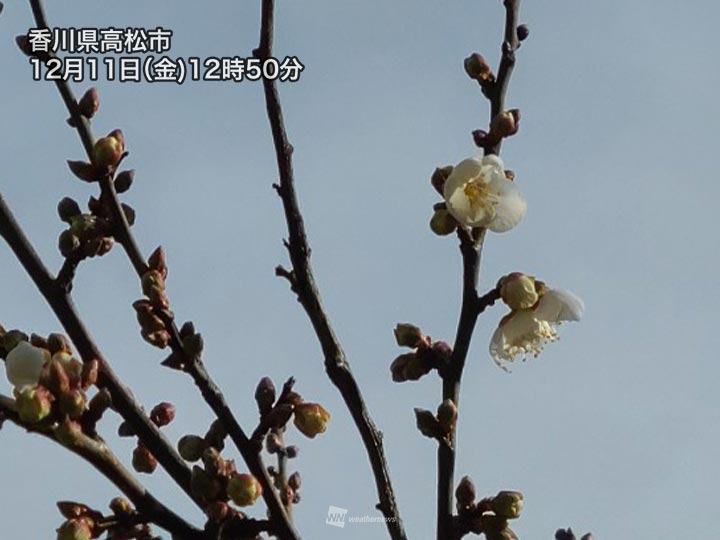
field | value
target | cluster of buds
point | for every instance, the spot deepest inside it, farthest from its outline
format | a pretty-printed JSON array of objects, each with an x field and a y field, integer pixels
[
  {"x": 143, "y": 460},
  {"x": 108, "y": 152},
  {"x": 488, "y": 516},
  {"x": 310, "y": 418},
  {"x": 426, "y": 356},
  {"x": 442, "y": 222},
  {"x": 84, "y": 523},
  {"x": 88, "y": 234},
  {"x": 440, "y": 426},
  {"x": 49, "y": 383},
  {"x": 151, "y": 309}
]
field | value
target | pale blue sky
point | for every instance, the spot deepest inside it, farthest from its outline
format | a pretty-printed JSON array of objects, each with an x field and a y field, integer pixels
[{"x": 614, "y": 429}]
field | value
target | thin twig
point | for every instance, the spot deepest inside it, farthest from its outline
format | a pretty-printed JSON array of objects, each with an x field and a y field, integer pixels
[
  {"x": 472, "y": 304},
  {"x": 99, "y": 456},
  {"x": 336, "y": 364}
]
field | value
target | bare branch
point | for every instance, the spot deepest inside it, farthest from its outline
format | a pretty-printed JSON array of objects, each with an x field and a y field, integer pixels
[{"x": 336, "y": 364}]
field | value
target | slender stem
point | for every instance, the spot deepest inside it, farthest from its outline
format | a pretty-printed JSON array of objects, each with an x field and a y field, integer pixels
[
  {"x": 99, "y": 456},
  {"x": 303, "y": 284},
  {"x": 472, "y": 304},
  {"x": 62, "y": 305}
]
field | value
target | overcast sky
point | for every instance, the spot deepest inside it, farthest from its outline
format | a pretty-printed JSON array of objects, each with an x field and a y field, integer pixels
[{"x": 613, "y": 429}]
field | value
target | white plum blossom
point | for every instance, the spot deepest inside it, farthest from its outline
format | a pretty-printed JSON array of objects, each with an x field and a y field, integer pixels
[
  {"x": 478, "y": 194},
  {"x": 24, "y": 364},
  {"x": 526, "y": 331}
]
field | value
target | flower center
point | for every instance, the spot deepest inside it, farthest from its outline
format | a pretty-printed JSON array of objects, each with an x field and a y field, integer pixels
[{"x": 478, "y": 194}]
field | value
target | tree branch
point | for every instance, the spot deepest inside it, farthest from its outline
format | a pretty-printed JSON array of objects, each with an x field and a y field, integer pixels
[
  {"x": 303, "y": 281},
  {"x": 99, "y": 456},
  {"x": 62, "y": 305},
  {"x": 472, "y": 305}
]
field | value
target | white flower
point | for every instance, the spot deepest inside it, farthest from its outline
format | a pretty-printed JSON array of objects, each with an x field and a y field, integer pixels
[
  {"x": 24, "y": 364},
  {"x": 478, "y": 194},
  {"x": 526, "y": 331}
]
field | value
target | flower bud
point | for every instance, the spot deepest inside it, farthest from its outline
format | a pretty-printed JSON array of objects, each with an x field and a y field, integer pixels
[
  {"x": 125, "y": 430},
  {"x": 523, "y": 32},
  {"x": 121, "y": 507},
  {"x": 108, "y": 151},
  {"x": 218, "y": 511},
  {"x": 33, "y": 403},
  {"x": 157, "y": 261},
  {"x": 244, "y": 489},
  {"x": 477, "y": 68},
  {"x": 67, "y": 209},
  {"x": 83, "y": 225},
  {"x": 24, "y": 363},
  {"x": 68, "y": 432},
  {"x": 505, "y": 124},
  {"x": 204, "y": 486},
  {"x": 439, "y": 176},
  {"x": 465, "y": 493},
  {"x": 272, "y": 443},
  {"x": 265, "y": 395},
  {"x": 442, "y": 223},
  {"x": 89, "y": 374},
  {"x": 311, "y": 419},
  {"x": 587, "y": 536},
  {"x": 89, "y": 103},
  {"x": 75, "y": 529},
  {"x": 447, "y": 414},
  {"x": 72, "y": 403},
  {"x": 68, "y": 243},
  {"x": 294, "y": 481},
  {"x": 143, "y": 461},
  {"x": 565, "y": 534},
  {"x": 508, "y": 504},
  {"x": 518, "y": 291},
  {"x": 292, "y": 452},
  {"x": 408, "y": 335},
  {"x": 191, "y": 447},
  {"x": 480, "y": 138},
  {"x": 162, "y": 414}
]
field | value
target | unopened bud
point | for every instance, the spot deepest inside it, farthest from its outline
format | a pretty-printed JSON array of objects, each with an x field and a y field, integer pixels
[
  {"x": 508, "y": 504},
  {"x": 465, "y": 493},
  {"x": 108, "y": 151},
  {"x": 292, "y": 452},
  {"x": 272, "y": 443},
  {"x": 203, "y": 486},
  {"x": 68, "y": 243},
  {"x": 89, "y": 103},
  {"x": 67, "y": 209},
  {"x": 125, "y": 430},
  {"x": 294, "y": 481},
  {"x": 75, "y": 529},
  {"x": 447, "y": 414},
  {"x": 129, "y": 212},
  {"x": 311, "y": 419},
  {"x": 408, "y": 335},
  {"x": 439, "y": 176},
  {"x": 480, "y": 138},
  {"x": 143, "y": 461},
  {"x": 505, "y": 123},
  {"x": 33, "y": 404},
  {"x": 265, "y": 395},
  {"x": 244, "y": 489},
  {"x": 442, "y": 223},
  {"x": 191, "y": 447},
  {"x": 121, "y": 507},
  {"x": 523, "y": 32},
  {"x": 157, "y": 261},
  {"x": 477, "y": 68},
  {"x": 518, "y": 291},
  {"x": 90, "y": 372},
  {"x": 218, "y": 511},
  {"x": 58, "y": 343},
  {"x": 162, "y": 414},
  {"x": 72, "y": 403}
]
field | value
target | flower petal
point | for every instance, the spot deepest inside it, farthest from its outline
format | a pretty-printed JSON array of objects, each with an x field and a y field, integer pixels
[
  {"x": 558, "y": 305},
  {"x": 457, "y": 201},
  {"x": 510, "y": 207},
  {"x": 519, "y": 334},
  {"x": 24, "y": 364}
]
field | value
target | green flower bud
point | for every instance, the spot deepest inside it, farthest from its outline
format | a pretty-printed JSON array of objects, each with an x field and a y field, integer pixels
[{"x": 244, "y": 489}]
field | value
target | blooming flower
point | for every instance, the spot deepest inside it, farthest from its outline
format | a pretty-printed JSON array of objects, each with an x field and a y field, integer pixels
[
  {"x": 24, "y": 364},
  {"x": 526, "y": 331},
  {"x": 478, "y": 194}
]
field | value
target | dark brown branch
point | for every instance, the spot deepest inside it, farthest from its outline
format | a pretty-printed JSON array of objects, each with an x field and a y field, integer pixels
[
  {"x": 336, "y": 364},
  {"x": 472, "y": 304},
  {"x": 99, "y": 456},
  {"x": 62, "y": 305}
]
